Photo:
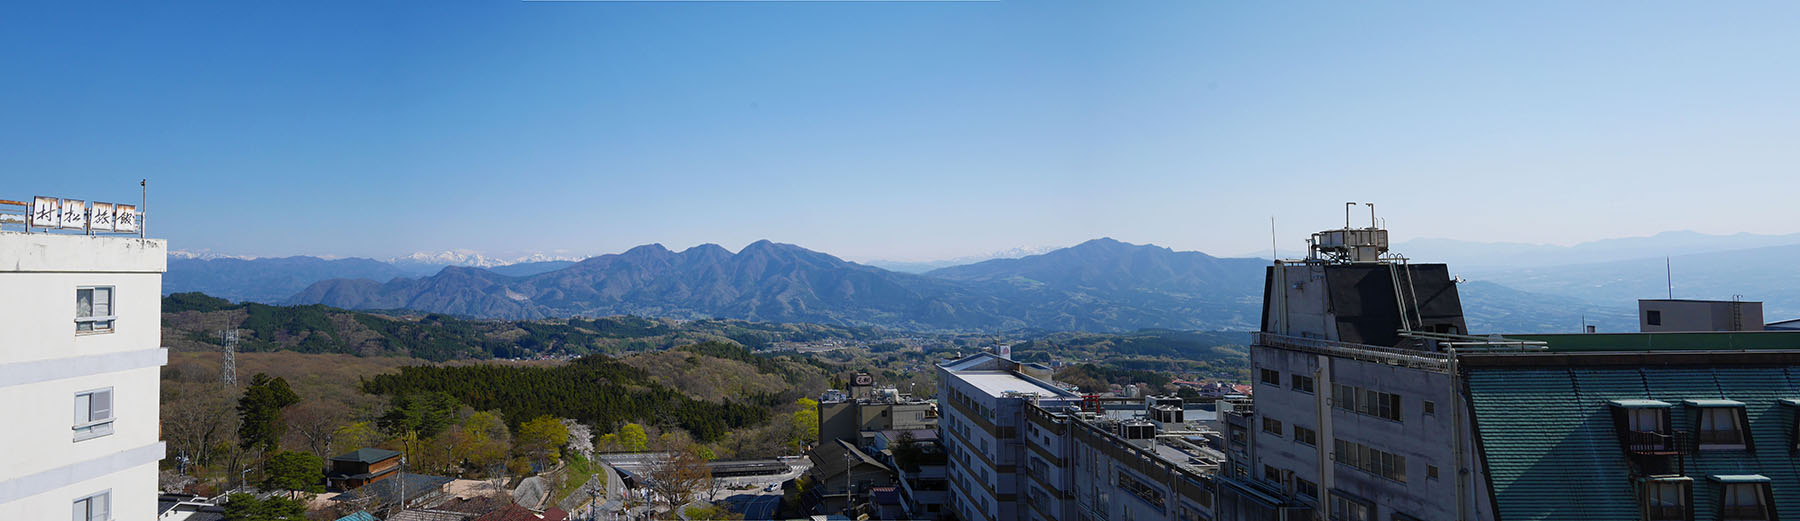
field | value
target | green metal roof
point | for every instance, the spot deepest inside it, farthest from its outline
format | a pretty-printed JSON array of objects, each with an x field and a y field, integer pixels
[
  {"x": 1715, "y": 403},
  {"x": 1699, "y": 341},
  {"x": 1640, "y": 404},
  {"x": 1552, "y": 451},
  {"x": 1741, "y": 478}
]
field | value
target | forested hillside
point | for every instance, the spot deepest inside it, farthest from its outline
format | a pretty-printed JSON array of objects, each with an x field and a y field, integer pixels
[
  {"x": 594, "y": 390},
  {"x": 193, "y": 321}
]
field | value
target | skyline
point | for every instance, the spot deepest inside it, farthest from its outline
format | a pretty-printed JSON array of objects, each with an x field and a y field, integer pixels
[{"x": 901, "y": 131}]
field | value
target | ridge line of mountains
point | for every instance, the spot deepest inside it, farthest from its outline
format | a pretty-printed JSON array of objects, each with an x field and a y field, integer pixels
[{"x": 1102, "y": 285}]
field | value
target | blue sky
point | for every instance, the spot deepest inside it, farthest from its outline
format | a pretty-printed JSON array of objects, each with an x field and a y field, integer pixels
[{"x": 901, "y": 130}]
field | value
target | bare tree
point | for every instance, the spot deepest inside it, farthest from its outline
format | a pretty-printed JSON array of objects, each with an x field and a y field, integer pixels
[
  {"x": 678, "y": 478},
  {"x": 316, "y": 422},
  {"x": 197, "y": 418}
]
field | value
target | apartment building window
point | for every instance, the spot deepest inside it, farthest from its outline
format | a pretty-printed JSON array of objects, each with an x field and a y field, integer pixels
[
  {"x": 1271, "y": 474},
  {"x": 1367, "y": 459},
  {"x": 97, "y": 507},
  {"x": 1666, "y": 500},
  {"x": 1271, "y": 426},
  {"x": 1271, "y": 377},
  {"x": 1305, "y": 435},
  {"x": 1302, "y": 383},
  {"x": 1350, "y": 508},
  {"x": 1428, "y": 407},
  {"x": 1431, "y": 472},
  {"x": 94, "y": 309},
  {"x": 93, "y": 413},
  {"x": 1745, "y": 501},
  {"x": 1306, "y": 488}
]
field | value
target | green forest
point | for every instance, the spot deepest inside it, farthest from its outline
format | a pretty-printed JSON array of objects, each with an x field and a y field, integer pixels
[
  {"x": 595, "y": 390},
  {"x": 193, "y": 321}
]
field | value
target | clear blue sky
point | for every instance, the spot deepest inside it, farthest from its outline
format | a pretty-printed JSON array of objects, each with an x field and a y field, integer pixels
[{"x": 901, "y": 130}]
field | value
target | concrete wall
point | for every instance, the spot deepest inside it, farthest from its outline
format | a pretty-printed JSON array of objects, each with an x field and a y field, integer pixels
[
  {"x": 44, "y": 362},
  {"x": 1699, "y": 315},
  {"x": 1424, "y": 439}
]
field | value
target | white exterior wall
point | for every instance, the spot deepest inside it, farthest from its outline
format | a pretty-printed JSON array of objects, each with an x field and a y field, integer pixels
[{"x": 44, "y": 362}]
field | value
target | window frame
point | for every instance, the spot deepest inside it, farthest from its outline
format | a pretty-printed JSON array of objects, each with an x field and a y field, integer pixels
[
  {"x": 1268, "y": 422},
  {"x": 105, "y": 496},
  {"x": 1339, "y": 498},
  {"x": 91, "y": 428},
  {"x": 1763, "y": 500},
  {"x": 94, "y": 322},
  {"x": 1310, "y": 439},
  {"x": 1739, "y": 426},
  {"x": 1684, "y": 490},
  {"x": 1271, "y": 377},
  {"x": 1653, "y": 317},
  {"x": 1295, "y": 379}
]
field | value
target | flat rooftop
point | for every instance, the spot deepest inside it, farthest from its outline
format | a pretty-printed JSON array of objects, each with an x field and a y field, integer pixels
[
  {"x": 997, "y": 383},
  {"x": 1671, "y": 341}
]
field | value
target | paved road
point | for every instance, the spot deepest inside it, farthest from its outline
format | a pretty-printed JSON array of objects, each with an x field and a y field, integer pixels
[{"x": 763, "y": 507}]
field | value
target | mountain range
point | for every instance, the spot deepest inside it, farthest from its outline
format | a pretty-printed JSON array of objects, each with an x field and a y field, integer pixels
[{"x": 1099, "y": 285}]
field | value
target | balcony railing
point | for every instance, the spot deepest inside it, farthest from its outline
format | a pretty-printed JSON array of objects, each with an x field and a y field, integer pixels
[
  {"x": 1651, "y": 442},
  {"x": 1665, "y": 513}
]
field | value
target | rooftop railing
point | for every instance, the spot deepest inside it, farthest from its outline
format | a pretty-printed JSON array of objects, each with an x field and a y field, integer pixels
[{"x": 1417, "y": 359}]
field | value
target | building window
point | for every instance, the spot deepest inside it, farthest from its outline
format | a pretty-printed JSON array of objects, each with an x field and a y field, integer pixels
[
  {"x": 1271, "y": 426},
  {"x": 97, "y": 507},
  {"x": 94, "y": 308},
  {"x": 1744, "y": 502},
  {"x": 1720, "y": 428},
  {"x": 1346, "y": 508},
  {"x": 1305, "y": 435},
  {"x": 1653, "y": 317},
  {"x": 1302, "y": 383},
  {"x": 93, "y": 413},
  {"x": 1431, "y": 472},
  {"x": 1306, "y": 488},
  {"x": 1665, "y": 500},
  {"x": 1367, "y": 459},
  {"x": 1367, "y": 402},
  {"x": 1429, "y": 407},
  {"x": 1271, "y": 377},
  {"x": 1271, "y": 474}
]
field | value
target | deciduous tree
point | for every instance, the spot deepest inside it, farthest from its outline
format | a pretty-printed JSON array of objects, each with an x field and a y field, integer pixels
[
  {"x": 542, "y": 440},
  {"x": 633, "y": 438}
]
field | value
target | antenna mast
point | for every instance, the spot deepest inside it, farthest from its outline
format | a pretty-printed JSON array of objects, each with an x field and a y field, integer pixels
[
  {"x": 1669, "y": 272},
  {"x": 1274, "y": 253}
]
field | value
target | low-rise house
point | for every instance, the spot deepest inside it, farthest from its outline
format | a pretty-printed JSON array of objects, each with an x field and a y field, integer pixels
[
  {"x": 839, "y": 469},
  {"x": 362, "y": 467}
]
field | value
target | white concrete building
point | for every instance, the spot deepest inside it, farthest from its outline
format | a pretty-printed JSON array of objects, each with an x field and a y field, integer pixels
[{"x": 80, "y": 330}]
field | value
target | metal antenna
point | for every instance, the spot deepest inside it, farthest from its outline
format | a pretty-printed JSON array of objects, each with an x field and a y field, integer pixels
[
  {"x": 1669, "y": 271},
  {"x": 143, "y": 204},
  {"x": 1274, "y": 254},
  {"x": 228, "y": 369}
]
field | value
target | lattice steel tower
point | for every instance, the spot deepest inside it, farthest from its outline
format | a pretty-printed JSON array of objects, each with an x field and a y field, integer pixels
[{"x": 228, "y": 369}]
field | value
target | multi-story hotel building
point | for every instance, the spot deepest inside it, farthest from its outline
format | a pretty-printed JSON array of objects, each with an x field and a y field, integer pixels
[{"x": 79, "y": 374}]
